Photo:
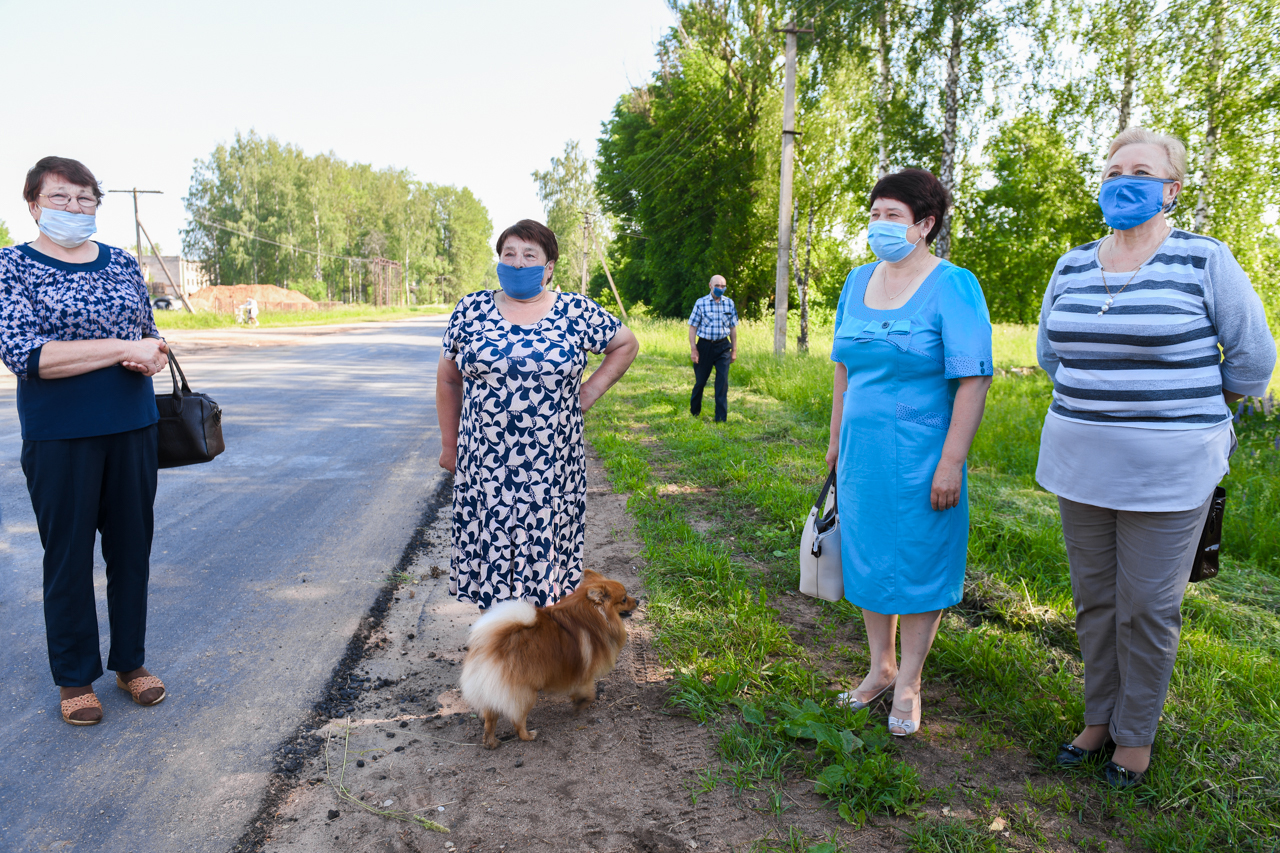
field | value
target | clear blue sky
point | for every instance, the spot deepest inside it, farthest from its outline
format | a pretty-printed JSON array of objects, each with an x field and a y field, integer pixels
[{"x": 475, "y": 93}]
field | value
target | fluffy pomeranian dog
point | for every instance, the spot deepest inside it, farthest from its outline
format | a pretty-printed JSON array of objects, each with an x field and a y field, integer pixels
[{"x": 517, "y": 649}]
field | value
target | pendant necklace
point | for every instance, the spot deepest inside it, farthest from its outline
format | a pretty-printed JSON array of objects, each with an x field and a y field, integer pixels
[
  {"x": 884, "y": 282},
  {"x": 1111, "y": 297},
  {"x": 1106, "y": 306}
]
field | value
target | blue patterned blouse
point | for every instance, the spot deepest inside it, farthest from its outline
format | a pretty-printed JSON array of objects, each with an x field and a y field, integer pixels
[{"x": 43, "y": 299}]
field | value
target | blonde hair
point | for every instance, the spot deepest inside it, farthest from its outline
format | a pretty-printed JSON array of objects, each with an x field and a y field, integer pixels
[{"x": 1174, "y": 151}]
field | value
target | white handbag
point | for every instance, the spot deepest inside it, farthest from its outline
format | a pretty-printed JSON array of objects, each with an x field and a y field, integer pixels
[{"x": 821, "y": 575}]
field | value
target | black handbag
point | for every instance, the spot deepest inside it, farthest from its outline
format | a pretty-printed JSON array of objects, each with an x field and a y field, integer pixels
[
  {"x": 190, "y": 424},
  {"x": 1205, "y": 566}
]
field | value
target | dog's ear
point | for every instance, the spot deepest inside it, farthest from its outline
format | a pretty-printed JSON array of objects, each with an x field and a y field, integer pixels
[{"x": 598, "y": 594}]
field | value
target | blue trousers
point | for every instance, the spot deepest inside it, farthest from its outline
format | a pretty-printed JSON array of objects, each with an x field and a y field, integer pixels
[
  {"x": 81, "y": 487},
  {"x": 712, "y": 354}
]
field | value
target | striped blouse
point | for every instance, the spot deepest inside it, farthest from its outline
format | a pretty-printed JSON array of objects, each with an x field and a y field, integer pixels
[{"x": 1187, "y": 325}]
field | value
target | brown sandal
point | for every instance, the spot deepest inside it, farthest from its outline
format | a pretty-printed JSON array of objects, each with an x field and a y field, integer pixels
[
  {"x": 140, "y": 685},
  {"x": 79, "y": 703}
]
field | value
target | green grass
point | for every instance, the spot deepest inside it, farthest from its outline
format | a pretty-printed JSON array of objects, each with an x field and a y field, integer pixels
[
  {"x": 718, "y": 508},
  {"x": 346, "y": 314}
]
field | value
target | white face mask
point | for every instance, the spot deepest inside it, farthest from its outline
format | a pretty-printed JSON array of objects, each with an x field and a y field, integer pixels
[{"x": 67, "y": 229}]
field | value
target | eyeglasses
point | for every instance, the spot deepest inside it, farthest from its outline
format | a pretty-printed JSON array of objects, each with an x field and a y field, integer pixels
[{"x": 61, "y": 200}]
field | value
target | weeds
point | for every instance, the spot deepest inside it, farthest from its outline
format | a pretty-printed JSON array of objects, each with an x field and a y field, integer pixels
[{"x": 1009, "y": 649}]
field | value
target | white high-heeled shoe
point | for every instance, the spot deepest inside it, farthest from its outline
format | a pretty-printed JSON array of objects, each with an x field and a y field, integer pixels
[{"x": 847, "y": 698}]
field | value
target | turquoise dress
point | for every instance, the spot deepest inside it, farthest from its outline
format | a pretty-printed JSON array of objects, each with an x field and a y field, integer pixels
[{"x": 900, "y": 555}]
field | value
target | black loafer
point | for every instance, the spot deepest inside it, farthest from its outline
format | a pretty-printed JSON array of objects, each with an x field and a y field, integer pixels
[
  {"x": 1120, "y": 778},
  {"x": 1070, "y": 755}
]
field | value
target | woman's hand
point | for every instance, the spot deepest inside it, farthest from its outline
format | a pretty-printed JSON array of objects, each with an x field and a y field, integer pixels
[
  {"x": 833, "y": 453},
  {"x": 618, "y": 356},
  {"x": 947, "y": 479},
  {"x": 588, "y": 396},
  {"x": 449, "y": 459},
  {"x": 147, "y": 356}
]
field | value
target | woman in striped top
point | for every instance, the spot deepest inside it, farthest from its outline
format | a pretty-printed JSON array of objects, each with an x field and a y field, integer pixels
[{"x": 1147, "y": 334}]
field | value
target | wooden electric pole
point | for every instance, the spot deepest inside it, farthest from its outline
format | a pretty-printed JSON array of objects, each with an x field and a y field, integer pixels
[
  {"x": 604, "y": 263},
  {"x": 782, "y": 279},
  {"x": 139, "y": 231},
  {"x": 586, "y": 251}
]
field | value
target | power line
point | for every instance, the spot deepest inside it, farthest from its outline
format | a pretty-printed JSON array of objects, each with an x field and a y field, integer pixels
[
  {"x": 670, "y": 146},
  {"x": 700, "y": 148},
  {"x": 651, "y": 164},
  {"x": 215, "y": 224}
]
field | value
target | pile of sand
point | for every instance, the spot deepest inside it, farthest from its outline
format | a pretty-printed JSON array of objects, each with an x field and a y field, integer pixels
[{"x": 225, "y": 298}]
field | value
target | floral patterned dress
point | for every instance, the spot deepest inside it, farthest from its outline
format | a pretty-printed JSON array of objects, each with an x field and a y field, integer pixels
[{"x": 520, "y": 489}]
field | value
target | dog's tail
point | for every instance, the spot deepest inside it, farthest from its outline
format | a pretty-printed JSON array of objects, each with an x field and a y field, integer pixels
[
  {"x": 502, "y": 615},
  {"x": 484, "y": 682}
]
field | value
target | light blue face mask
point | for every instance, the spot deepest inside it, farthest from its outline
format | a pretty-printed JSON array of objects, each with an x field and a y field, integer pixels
[
  {"x": 889, "y": 240},
  {"x": 717, "y": 292},
  {"x": 1127, "y": 201},
  {"x": 521, "y": 282},
  {"x": 66, "y": 229}
]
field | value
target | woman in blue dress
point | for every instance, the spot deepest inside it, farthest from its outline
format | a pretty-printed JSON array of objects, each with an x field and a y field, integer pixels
[
  {"x": 913, "y": 365},
  {"x": 510, "y": 398}
]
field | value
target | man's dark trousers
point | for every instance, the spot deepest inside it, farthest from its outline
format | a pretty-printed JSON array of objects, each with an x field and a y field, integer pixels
[
  {"x": 80, "y": 487},
  {"x": 712, "y": 354}
]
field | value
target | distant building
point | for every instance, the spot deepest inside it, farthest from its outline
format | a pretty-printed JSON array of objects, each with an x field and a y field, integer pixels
[{"x": 188, "y": 275}]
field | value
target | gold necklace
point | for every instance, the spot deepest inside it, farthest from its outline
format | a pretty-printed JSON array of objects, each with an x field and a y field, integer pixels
[
  {"x": 884, "y": 284},
  {"x": 1106, "y": 306}
]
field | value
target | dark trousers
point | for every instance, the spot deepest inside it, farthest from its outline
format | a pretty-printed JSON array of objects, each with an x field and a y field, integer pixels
[
  {"x": 712, "y": 354},
  {"x": 80, "y": 487}
]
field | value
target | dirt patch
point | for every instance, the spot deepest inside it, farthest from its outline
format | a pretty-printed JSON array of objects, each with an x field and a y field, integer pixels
[
  {"x": 625, "y": 775},
  {"x": 227, "y": 297},
  {"x": 630, "y": 773}
]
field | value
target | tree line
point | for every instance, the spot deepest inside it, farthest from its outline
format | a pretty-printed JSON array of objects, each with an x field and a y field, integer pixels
[
  {"x": 1010, "y": 102},
  {"x": 263, "y": 212}
]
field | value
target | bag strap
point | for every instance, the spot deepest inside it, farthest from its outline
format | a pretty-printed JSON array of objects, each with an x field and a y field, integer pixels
[
  {"x": 830, "y": 486},
  {"x": 175, "y": 370}
]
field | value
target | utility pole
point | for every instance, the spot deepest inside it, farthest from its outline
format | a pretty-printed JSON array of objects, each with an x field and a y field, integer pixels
[
  {"x": 586, "y": 250},
  {"x": 137, "y": 223},
  {"x": 782, "y": 283},
  {"x": 139, "y": 231},
  {"x": 609, "y": 275}
]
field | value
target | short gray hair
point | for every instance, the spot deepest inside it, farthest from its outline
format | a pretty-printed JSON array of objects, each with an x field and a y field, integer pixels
[{"x": 1174, "y": 151}]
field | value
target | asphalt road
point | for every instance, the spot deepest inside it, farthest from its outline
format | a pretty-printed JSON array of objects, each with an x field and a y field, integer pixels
[{"x": 263, "y": 563}]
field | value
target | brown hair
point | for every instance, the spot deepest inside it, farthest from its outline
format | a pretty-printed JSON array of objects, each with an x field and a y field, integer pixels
[
  {"x": 71, "y": 171},
  {"x": 532, "y": 231},
  {"x": 918, "y": 190}
]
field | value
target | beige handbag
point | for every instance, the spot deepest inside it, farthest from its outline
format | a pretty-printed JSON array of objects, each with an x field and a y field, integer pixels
[{"x": 821, "y": 575}]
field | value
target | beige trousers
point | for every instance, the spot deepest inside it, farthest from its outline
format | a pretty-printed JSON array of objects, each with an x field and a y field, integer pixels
[{"x": 1129, "y": 571}]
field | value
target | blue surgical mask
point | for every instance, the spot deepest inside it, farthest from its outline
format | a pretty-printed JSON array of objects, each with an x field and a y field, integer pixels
[
  {"x": 717, "y": 292},
  {"x": 889, "y": 240},
  {"x": 66, "y": 229},
  {"x": 1130, "y": 200},
  {"x": 520, "y": 282}
]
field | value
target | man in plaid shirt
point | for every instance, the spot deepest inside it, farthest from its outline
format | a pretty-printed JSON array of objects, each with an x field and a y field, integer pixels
[{"x": 713, "y": 342}]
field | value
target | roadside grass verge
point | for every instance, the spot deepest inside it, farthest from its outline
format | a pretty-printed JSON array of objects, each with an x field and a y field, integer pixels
[
  {"x": 719, "y": 509},
  {"x": 347, "y": 314}
]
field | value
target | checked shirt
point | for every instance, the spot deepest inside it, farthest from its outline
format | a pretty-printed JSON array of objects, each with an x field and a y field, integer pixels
[{"x": 713, "y": 319}]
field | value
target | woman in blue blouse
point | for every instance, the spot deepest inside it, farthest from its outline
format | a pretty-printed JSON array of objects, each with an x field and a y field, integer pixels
[
  {"x": 76, "y": 328},
  {"x": 913, "y": 365}
]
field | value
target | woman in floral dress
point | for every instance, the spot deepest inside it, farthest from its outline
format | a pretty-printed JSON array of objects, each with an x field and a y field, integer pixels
[{"x": 510, "y": 398}]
